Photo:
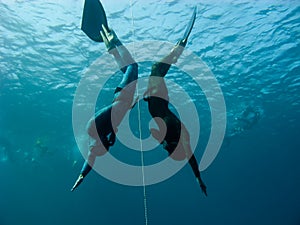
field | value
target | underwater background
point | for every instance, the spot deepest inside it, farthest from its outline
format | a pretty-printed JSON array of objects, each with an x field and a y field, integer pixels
[{"x": 252, "y": 48}]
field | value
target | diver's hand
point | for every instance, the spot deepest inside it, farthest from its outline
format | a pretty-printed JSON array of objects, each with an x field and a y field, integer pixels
[
  {"x": 78, "y": 182},
  {"x": 202, "y": 185}
]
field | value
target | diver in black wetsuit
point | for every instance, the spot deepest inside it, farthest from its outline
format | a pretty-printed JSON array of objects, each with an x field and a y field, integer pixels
[
  {"x": 102, "y": 127},
  {"x": 172, "y": 133}
]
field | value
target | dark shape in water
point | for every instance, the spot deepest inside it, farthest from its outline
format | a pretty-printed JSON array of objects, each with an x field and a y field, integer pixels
[{"x": 92, "y": 19}]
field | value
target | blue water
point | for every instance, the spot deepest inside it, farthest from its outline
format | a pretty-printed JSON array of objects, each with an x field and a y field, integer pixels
[{"x": 252, "y": 48}]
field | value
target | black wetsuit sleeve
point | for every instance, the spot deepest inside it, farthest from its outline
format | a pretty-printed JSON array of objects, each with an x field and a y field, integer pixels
[{"x": 193, "y": 163}]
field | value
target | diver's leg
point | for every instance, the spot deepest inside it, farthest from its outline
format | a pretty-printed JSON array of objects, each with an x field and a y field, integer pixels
[
  {"x": 120, "y": 54},
  {"x": 125, "y": 61},
  {"x": 156, "y": 84},
  {"x": 162, "y": 67},
  {"x": 130, "y": 75},
  {"x": 175, "y": 53},
  {"x": 123, "y": 57},
  {"x": 117, "y": 49}
]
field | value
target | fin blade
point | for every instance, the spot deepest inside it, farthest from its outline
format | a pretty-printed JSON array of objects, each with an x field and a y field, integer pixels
[
  {"x": 190, "y": 25},
  {"x": 92, "y": 19}
]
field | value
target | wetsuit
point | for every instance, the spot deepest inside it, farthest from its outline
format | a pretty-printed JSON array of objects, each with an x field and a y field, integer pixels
[
  {"x": 158, "y": 107},
  {"x": 101, "y": 128}
]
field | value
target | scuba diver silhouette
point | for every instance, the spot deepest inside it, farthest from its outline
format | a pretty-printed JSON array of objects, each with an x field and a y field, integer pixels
[
  {"x": 248, "y": 118},
  {"x": 245, "y": 121},
  {"x": 103, "y": 126}
]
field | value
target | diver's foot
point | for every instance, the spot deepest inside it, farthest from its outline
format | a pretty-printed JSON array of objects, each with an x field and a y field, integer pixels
[
  {"x": 177, "y": 50},
  {"x": 110, "y": 38},
  {"x": 182, "y": 42}
]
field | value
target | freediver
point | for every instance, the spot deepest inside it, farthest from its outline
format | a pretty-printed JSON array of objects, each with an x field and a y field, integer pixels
[
  {"x": 103, "y": 126},
  {"x": 171, "y": 132}
]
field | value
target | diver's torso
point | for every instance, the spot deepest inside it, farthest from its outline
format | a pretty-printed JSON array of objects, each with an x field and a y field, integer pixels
[
  {"x": 103, "y": 121},
  {"x": 158, "y": 107}
]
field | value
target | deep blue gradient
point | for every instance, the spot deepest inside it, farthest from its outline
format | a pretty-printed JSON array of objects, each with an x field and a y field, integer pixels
[{"x": 253, "y": 49}]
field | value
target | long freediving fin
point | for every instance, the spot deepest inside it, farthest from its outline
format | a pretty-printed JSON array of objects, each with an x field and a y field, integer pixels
[
  {"x": 92, "y": 19},
  {"x": 190, "y": 26}
]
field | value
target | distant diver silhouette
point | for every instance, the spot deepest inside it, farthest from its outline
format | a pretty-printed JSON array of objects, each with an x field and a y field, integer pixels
[{"x": 246, "y": 120}]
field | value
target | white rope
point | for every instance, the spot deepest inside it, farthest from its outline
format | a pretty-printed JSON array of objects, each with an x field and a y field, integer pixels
[{"x": 140, "y": 128}]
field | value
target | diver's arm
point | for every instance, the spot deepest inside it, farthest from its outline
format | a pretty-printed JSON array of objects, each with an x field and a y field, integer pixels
[
  {"x": 86, "y": 168},
  {"x": 192, "y": 159},
  {"x": 193, "y": 163}
]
